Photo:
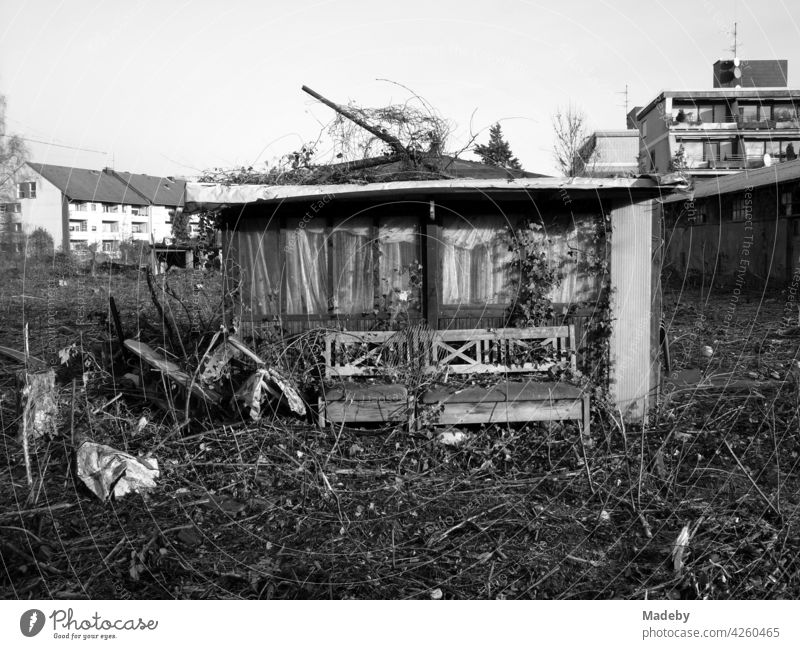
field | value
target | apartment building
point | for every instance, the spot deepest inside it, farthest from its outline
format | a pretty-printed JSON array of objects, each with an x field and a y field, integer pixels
[
  {"x": 747, "y": 120},
  {"x": 81, "y": 207}
]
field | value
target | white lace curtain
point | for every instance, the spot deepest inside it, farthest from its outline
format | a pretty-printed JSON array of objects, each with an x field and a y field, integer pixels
[
  {"x": 398, "y": 245},
  {"x": 352, "y": 268},
  {"x": 475, "y": 261},
  {"x": 306, "y": 270},
  {"x": 352, "y": 253}
]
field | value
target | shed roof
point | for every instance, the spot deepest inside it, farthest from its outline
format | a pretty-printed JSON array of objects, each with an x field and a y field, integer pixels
[
  {"x": 783, "y": 172},
  {"x": 89, "y": 184},
  {"x": 213, "y": 196}
]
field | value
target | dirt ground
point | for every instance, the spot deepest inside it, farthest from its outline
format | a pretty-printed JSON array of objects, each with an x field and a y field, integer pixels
[{"x": 283, "y": 510}]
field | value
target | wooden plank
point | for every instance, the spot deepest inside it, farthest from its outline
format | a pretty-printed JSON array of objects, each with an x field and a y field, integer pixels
[
  {"x": 366, "y": 411},
  {"x": 506, "y": 333},
  {"x": 480, "y": 368},
  {"x": 518, "y": 411}
]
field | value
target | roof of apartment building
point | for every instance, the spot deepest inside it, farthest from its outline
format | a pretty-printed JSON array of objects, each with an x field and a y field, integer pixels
[
  {"x": 109, "y": 186},
  {"x": 721, "y": 93},
  {"x": 158, "y": 190},
  {"x": 88, "y": 184},
  {"x": 612, "y": 152},
  {"x": 778, "y": 173}
]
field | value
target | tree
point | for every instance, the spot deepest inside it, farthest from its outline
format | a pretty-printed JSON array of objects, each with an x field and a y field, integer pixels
[
  {"x": 134, "y": 251},
  {"x": 569, "y": 128},
  {"x": 497, "y": 152},
  {"x": 181, "y": 232},
  {"x": 40, "y": 244},
  {"x": 13, "y": 154}
]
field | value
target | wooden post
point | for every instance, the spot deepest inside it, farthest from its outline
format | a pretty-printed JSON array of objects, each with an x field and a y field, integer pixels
[{"x": 431, "y": 253}]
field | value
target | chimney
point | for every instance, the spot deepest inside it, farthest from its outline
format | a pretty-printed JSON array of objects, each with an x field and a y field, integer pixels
[
  {"x": 772, "y": 73},
  {"x": 631, "y": 117}
]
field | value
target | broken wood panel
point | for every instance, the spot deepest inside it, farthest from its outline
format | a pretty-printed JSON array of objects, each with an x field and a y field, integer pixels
[{"x": 171, "y": 370}]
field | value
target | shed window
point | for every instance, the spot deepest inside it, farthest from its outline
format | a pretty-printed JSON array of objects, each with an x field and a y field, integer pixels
[
  {"x": 398, "y": 260},
  {"x": 475, "y": 262},
  {"x": 306, "y": 268},
  {"x": 739, "y": 209},
  {"x": 353, "y": 268}
]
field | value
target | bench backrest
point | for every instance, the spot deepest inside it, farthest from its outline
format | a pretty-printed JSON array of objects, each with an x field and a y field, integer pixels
[
  {"x": 503, "y": 351},
  {"x": 458, "y": 351},
  {"x": 364, "y": 353}
]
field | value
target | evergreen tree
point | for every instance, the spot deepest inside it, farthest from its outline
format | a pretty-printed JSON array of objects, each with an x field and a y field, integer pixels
[
  {"x": 497, "y": 152},
  {"x": 181, "y": 232}
]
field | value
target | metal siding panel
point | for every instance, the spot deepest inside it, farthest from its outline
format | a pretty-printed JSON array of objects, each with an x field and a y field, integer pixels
[{"x": 631, "y": 273}]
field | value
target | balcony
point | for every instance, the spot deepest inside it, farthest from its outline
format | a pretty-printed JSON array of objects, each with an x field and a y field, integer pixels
[
  {"x": 733, "y": 161},
  {"x": 736, "y": 123}
]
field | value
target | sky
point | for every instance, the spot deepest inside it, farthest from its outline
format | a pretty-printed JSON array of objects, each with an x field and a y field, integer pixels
[{"x": 171, "y": 87}]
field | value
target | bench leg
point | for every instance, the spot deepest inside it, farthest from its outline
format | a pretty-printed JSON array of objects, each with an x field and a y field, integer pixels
[
  {"x": 321, "y": 411},
  {"x": 586, "y": 418}
]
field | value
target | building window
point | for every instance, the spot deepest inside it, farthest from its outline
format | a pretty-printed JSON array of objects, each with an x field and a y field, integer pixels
[
  {"x": 139, "y": 228},
  {"x": 139, "y": 210},
  {"x": 786, "y": 203},
  {"x": 78, "y": 207},
  {"x": 108, "y": 207},
  {"x": 784, "y": 113},
  {"x": 10, "y": 208},
  {"x": 94, "y": 207},
  {"x": 26, "y": 190},
  {"x": 110, "y": 245},
  {"x": 78, "y": 226},
  {"x": 738, "y": 209},
  {"x": 748, "y": 113},
  {"x": 110, "y": 226},
  {"x": 124, "y": 209},
  {"x": 78, "y": 245}
]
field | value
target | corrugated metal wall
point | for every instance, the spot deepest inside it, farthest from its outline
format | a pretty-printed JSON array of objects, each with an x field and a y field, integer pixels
[{"x": 631, "y": 287}]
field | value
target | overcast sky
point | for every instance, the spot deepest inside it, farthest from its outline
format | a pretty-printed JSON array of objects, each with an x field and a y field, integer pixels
[{"x": 175, "y": 87}]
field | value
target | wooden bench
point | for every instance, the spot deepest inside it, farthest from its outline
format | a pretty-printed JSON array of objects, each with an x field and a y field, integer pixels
[
  {"x": 370, "y": 389},
  {"x": 524, "y": 358},
  {"x": 368, "y": 357}
]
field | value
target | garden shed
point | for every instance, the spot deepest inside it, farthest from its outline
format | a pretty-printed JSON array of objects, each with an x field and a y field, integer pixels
[{"x": 452, "y": 253}]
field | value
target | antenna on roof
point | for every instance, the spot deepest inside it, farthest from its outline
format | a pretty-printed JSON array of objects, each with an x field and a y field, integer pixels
[
  {"x": 625, "y": 93},
  {"x": 734, "y": 49}
]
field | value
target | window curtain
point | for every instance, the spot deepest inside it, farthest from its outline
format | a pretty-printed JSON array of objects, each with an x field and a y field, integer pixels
[
  {"x": 306, "y": 271},
  {"x": 398, "y": 243},
  {"x": 353, "y": 268},
  {"x": 475, "y": 262}
]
